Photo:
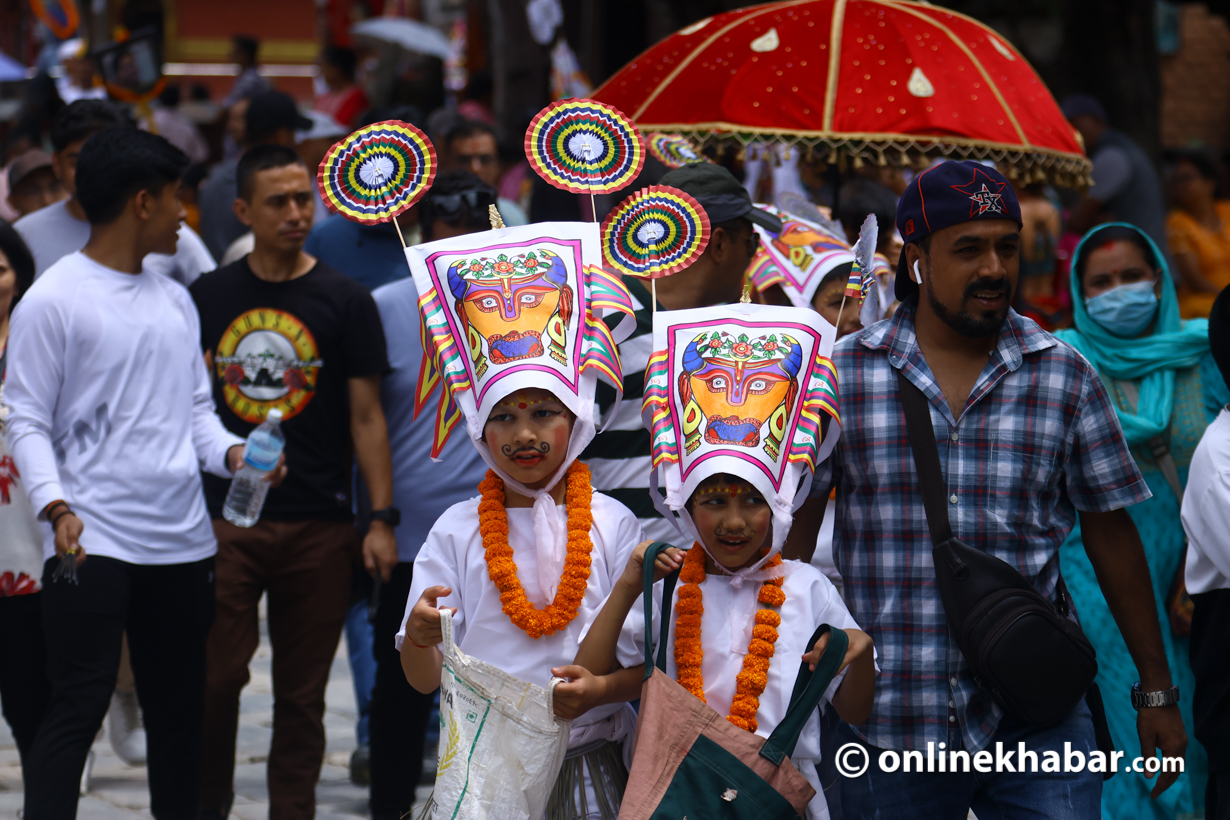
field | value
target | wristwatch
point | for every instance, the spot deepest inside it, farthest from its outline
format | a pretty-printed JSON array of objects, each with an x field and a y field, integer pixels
[
  {"x": 1146, "y": 700},
  {"x": 389, "y": 515}
]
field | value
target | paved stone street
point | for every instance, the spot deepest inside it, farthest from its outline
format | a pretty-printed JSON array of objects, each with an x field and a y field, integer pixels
[{"x": 119, "y": 792}]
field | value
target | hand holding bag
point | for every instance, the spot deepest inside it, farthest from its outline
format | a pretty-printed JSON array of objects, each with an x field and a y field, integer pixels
[
  {"x": 689, "y": 761},
  {"x": 501, "y": 746}
]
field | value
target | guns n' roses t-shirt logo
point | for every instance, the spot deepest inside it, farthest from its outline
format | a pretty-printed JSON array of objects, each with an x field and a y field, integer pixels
[{"x": 267, "y": 358}]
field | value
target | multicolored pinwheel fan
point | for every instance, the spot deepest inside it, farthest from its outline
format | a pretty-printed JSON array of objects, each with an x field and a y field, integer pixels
[
  {"x": 377, "y": 172},
  {"x": 584, "y": 147},
  {"x": 655, "y": 232},
  {"x": 672, "y": 150}
]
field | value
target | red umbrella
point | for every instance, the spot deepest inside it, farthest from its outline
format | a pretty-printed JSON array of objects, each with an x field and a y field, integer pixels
[{"x": 860, "y": 77}]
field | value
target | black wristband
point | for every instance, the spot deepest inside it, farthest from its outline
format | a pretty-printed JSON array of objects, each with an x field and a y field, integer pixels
[{"x": 58, "y": 517}]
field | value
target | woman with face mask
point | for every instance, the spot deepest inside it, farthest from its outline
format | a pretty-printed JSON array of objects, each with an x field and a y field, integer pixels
[{"x": 1166, "y": 390}]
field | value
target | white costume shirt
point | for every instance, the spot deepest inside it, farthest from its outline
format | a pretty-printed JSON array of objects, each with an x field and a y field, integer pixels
[
  {"x": 1206, "y": 510},
  {"x": 453, "y": 556},
  {"x": 726, "y": 631}
]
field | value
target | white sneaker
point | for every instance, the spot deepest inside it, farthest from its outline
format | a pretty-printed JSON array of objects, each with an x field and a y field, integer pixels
[
  {"x": 127, "y": 733},
  {"x": 85, "y": 773}
]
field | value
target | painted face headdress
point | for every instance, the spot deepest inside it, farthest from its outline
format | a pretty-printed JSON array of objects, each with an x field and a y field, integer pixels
[
  {"x": 514, "y": 309},
  {"x": 745, "y": 390},
  {"x": 798, "y": 258}
]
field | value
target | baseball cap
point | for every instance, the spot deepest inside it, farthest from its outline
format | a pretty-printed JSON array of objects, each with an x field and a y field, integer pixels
[
  {"x": 26, "y": 164},
  {"x": 949, "y": 194},
  {"x": 269, "y": 112},
  {"x": 323, "y": 127},
  {"x": 720, "y": 194}
]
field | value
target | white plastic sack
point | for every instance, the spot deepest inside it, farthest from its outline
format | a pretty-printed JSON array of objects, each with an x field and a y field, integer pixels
[{"x": 501, "y": 746}]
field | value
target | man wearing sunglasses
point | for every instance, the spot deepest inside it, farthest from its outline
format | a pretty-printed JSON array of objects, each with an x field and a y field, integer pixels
[
  {"x": 456, "y": 205},
  {"x": 472, "y": 146}
]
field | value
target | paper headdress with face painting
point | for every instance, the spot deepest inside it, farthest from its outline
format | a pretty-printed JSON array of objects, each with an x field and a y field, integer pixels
[
  {"x": 747, "y": 390},
  {"x": 798, "y": 258},
  {"x": 513, "y": 309}
]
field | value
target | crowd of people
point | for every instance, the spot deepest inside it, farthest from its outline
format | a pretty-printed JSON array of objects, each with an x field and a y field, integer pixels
[{"x": 1072, "y": 355}]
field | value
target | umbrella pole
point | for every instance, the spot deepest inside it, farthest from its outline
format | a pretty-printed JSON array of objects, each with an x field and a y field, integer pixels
[{"x": 593, "y": 209}]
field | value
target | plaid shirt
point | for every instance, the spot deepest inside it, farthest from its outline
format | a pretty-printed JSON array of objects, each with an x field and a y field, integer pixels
[{"x": 1037, "y": 440}]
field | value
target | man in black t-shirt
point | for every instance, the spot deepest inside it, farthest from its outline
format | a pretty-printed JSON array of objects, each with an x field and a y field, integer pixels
[{"x": 282, "y": 330}]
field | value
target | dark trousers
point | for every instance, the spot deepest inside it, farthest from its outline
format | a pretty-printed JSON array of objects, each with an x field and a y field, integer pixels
[
  {"x": 1211, "y": 700},
  {"x": 304, "y": 567},
  {"x": 399, "y": 714},
  {"x": 166, "y": 611},
  {"x": 24, "y": 688}
]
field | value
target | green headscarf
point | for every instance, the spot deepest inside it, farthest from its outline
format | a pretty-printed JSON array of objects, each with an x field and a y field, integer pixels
[{"x": 1153, "y": 359}]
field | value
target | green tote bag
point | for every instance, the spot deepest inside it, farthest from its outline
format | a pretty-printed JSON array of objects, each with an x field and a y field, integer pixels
[{"x": 690, "y": 762}]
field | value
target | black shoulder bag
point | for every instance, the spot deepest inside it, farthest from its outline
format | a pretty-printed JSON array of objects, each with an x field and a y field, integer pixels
[{"x": 1035, "y": 662}]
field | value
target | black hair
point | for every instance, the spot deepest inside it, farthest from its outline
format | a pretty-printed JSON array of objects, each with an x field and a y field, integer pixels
[
  {"x": 453, "y": 183},
  {"x": 860, "y": 197},
  {"x": 261, "y": 158},
  {"x": 467, "y": 128},
  {"x": 342, "y": 58},
  {"x": 1219, "y": 333},
  {"x": 1113, "y": 233},
  {"x": 170, "y": 96},
  {"x": 249, "y": 46},
  {"x": 1200, "y": 159},
  {"x": 84, "y": 118},
  {"x": 733, "y": 227},
  {"x": 841, "y": 273},
  {"x": 195, "y": 175},
  {"x": 395, "y": 111},
  {"x": 20, "y": 259},
  {"x": 116, "y": 164},
  {"x": 198, "y": 91}
]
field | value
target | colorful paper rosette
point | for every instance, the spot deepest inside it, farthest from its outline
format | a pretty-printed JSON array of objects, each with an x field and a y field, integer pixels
[
  {"x": 672, "y": 150},
  {"x": 584, "y": 147},
  {"x": 655, "y": 232},
  {"x": 377, "y": 172}
]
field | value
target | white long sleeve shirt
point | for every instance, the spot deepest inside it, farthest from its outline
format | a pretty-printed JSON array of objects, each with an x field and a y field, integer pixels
[
  {"x": 1206, "y": 510},
  {"x": 112, "y": 411}
]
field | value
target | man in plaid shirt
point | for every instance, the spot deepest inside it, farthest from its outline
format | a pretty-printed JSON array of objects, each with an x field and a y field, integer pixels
[{"x": 1028, "y": 441}]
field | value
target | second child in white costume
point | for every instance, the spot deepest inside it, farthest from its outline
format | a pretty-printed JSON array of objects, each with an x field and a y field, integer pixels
[
  {"x": 527, "y": 565},
  {"x": 741, "y": 405}
]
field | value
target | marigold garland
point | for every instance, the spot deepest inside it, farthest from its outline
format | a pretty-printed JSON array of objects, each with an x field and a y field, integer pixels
[
  {"x": 690, "y": 652},
  {"x": 502, "y": 569}
]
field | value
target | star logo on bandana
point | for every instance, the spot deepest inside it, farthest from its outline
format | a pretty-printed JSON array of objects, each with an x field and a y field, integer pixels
[{"x": 984, "y": 195}]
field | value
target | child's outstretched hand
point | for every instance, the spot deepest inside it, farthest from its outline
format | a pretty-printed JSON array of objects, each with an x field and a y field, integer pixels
[
  {"x": 860, "y": 644},
  {"x": 668, "y": 561},
  {"x": 423, "y": 625},
  {"x": 581, "y": 692}
]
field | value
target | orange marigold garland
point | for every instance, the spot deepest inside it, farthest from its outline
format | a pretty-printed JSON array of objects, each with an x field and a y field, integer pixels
[
  {"x": 502, "y": 569},
  {"x": 690, "y": 653}
]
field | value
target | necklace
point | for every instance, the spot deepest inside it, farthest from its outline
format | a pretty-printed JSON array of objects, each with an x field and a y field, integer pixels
[
  {"x": 502, "y": 569},
  {"x": 690, "y": 653}
]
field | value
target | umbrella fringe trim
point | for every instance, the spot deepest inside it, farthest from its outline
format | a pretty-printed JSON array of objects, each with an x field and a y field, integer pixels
[{"x": 1031, "y": 164}]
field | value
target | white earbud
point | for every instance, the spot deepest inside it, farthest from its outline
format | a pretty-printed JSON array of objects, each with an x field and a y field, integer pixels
[{"x": 917, "y": 273}]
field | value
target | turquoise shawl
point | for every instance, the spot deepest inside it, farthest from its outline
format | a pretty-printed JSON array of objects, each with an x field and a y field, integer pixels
[{"x": 1151, "y": 360}]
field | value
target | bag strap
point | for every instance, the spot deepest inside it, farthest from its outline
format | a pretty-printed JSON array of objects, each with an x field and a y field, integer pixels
[
  {"x": 668, "y": 591},
  {"x": 1158, "y": 444},
  {"x": 809, "y": 689},
  {"x": 926, "y": 458}
]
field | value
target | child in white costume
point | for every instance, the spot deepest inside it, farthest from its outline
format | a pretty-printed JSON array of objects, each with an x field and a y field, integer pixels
[
  {"x": 510, "y": 327},
  {"x": 741, "y": 403}
]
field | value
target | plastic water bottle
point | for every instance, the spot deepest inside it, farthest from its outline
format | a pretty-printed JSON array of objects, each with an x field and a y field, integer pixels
[{"x": 260, "y": 457}]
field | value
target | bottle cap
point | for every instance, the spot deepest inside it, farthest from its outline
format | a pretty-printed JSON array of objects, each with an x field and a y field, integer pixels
[{"x": 274, "y": 416}]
